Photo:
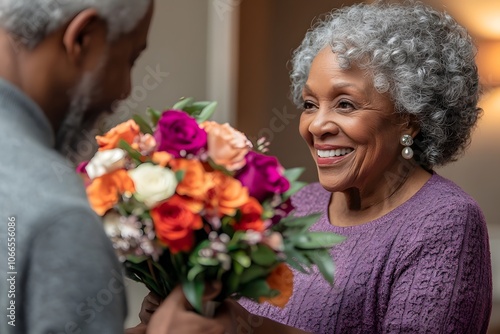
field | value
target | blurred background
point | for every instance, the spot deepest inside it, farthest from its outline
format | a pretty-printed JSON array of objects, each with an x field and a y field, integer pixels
[{"x": 237, "y": 52}]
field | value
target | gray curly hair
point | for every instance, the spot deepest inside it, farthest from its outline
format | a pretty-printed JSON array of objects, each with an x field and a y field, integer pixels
[
  {"x": 30, "y": 21},
  {"x": 423, "y": 58}
]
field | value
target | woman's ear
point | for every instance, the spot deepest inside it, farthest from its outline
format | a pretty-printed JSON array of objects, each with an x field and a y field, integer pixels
[
  {"x": 410, "y": 125},
  {"x": 81, "y": 34}
]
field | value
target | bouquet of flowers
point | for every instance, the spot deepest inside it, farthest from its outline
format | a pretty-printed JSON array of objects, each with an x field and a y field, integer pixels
[{"x": 186, "y": 200}]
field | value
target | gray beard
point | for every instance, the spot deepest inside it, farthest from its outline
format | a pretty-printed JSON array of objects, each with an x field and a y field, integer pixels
[{"x": 76, "y": 136}]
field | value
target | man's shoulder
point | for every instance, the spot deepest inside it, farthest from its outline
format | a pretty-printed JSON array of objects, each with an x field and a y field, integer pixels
[{"x": 40, "y": 183}]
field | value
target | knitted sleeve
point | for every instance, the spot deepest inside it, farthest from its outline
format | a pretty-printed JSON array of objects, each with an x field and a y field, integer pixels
[{"x": 444, "y": 285}]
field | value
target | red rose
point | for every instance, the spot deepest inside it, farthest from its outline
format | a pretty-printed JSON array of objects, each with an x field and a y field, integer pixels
[
  {"x": 175, "y": 224},
  {"x": 251, "y": 217}
]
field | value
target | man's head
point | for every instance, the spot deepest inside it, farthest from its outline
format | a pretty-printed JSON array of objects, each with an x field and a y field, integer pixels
[{"x": 72, "y": 57}]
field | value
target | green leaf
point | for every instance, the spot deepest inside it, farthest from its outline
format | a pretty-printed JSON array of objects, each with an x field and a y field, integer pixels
[
  {"x": 179, "y": 175},
  {"x": 256, "y": 289},
  {"x": 136, "y": 259},
  {"x": 235, "y": 240},
  {"x": 183, "y": 103},
  {"x": 294, "y": 187},
  {"x": 193, "y": 290},
  {"x": 134, "y": 154},
  {"x": 207, "y": 261},
  {"x": 143, "y": 125},
  {"x": 263, "y": 256},
  {"x": 207, "y": 112},
  {"x": 195, "y": 271},
  {"x": 303, "y": 223},
  {"x": 219, "y": 167},
  {"x": 253, "y": 273},
  {"x": 315, "y": 240},
  {"x": 296, "y": 265},
  {"x": 293, "y": 174},
  {"x": 233, "y": 283},
  {"x": 195, "y": 108},
  {"x": 297, "y": 254},
  {"x": 154, "y": 115},
  {"x": 193, "y": 258},
  {"x": 242, "y": 258},
  {"x": 324, "y": 262},
  {"x": 238, "y": 268}
]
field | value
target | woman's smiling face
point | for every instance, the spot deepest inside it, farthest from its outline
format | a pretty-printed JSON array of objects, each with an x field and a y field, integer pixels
[{"x": 351, "y": 129}]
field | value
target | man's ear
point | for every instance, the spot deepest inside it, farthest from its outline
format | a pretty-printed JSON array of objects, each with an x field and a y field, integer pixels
[{"x": 81, "y": 32}]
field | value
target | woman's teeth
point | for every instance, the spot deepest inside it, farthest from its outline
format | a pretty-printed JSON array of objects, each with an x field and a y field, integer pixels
[{"x": 334, "y": 153}]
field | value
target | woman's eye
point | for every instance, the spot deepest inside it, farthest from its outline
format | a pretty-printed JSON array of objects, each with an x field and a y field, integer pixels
[
  {"x": 345, "y": 105},
  {"x": 308, "y": 105}
]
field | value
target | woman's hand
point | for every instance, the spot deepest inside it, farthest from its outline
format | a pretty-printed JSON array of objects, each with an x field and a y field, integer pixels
[{"x": 236, "y": 319}]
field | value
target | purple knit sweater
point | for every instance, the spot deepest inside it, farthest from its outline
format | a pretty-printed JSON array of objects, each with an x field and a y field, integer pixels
[{"x": 422, "y": 268}]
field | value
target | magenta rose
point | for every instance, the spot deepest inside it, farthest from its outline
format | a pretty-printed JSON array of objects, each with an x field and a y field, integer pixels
[
  {"x": 263, "y": 176},
  {"x": 178, "y": 132},
  {"x": 282, "y": 211}
]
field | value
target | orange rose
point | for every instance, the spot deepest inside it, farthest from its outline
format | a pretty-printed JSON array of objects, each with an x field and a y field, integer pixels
[
  {"x": 251, "y": 217},
  {"x": 175, "y": 223},
  {"x": 162, "y": 158},
  {"x": 280, "y": 279},
  {"x": 127, "y": 131},
  {"x": 104, "y": 192},
  {"x": 196, "y": 181},
  {"x": 226, "y": 195},
  {"x": 226, "y": 146}
]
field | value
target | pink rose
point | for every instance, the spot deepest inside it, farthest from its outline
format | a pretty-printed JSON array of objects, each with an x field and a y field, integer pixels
[
  {"x": 178, "y": 133},
  {"x": 226, "y": 146},
  {"x": 263, "y": 176}
]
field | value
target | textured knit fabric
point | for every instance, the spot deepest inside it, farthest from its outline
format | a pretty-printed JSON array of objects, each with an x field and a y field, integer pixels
[
  {"x": 68, "y": 279},
  {"x": 422, "y": 268}
]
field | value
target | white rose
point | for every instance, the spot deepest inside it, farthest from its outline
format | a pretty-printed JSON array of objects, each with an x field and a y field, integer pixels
[
  {"x": 111, "y": 222},
  {"x": 105, "y": 162},
  {"x": 153, "y": 183}
]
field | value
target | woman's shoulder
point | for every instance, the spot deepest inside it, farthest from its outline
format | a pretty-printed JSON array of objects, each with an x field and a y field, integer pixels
[
  {"x": 444, "y": 204},
  {"x": 440, "y": 192}
]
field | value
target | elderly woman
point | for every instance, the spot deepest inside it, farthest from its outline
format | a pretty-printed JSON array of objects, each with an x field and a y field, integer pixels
[{"x": 388, "y": 92}]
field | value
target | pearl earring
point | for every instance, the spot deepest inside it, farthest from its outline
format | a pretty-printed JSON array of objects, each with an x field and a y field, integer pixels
[{"x": 406, "y": 141}]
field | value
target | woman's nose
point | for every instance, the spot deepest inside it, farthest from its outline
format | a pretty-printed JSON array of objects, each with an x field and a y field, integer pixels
[{"x": 323, "y": 123}]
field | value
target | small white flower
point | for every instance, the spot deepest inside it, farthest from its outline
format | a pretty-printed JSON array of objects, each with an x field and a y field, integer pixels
[
  {"x": 225, "y": 261},
  {"x": 252, "y": 237},
  {"x": 153, "y": 183},
  {"x": 105, "y": 162}
]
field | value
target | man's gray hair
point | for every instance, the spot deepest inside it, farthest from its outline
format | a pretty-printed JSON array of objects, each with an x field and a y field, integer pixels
[{"x": 31, "y": 21}]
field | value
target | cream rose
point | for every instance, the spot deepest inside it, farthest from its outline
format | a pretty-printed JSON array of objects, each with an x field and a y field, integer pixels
[
  {"x": 226, "y": 146},
  {"x": 105, "y": 162},
  {"x": 153, "y": 183}
]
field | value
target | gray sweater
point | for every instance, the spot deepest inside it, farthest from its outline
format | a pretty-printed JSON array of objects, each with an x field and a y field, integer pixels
[{"x": 58, "y": 272}]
